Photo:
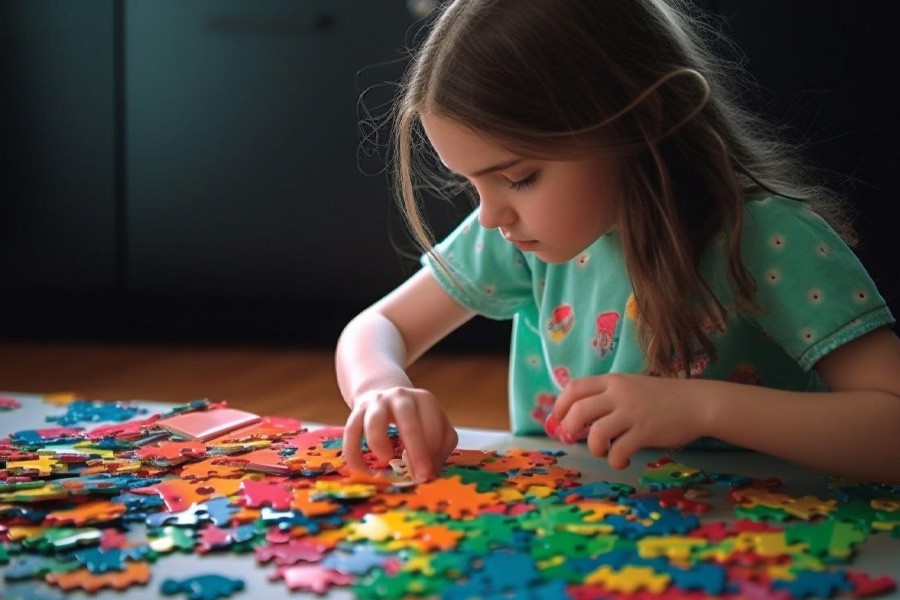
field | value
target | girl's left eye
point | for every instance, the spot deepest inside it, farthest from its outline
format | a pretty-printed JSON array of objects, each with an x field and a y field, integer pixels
[{"x": 523, "y": 183}]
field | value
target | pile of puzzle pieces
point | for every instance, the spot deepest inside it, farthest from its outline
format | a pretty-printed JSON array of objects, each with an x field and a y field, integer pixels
[{"x": 96, "y": 507}]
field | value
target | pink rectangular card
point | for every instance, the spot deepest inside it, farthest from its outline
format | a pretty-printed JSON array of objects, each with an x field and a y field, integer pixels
[{"x": 206, "y": 424}]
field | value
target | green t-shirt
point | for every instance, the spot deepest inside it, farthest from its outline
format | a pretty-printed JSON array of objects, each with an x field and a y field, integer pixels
[{"x": 578, "y": 318}]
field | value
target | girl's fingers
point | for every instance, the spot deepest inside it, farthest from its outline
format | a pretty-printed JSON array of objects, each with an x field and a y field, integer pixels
[
  {"x": 420, "y": 457},
  {"x": 581, "y": 416},
  {"x": 377, "y": 420},
  {"x": 448, "y": 444},
  {"x": 622, "y": 448},
  {"x": 576, "y": 390},
  {"x": 602, "y": 434},
  {"x": 351, "y": 446}
]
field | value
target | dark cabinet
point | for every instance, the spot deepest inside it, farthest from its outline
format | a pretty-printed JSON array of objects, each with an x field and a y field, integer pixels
[
  {"x": 57, "y": 149},
  {"x": 241, "y": 139},
  {"x": 192, "y": 169}
]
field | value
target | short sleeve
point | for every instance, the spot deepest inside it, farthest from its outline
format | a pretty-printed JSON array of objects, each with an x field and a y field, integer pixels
[
  {"x": 487, "y": 274},
  {"x": 813, "y": 292}
]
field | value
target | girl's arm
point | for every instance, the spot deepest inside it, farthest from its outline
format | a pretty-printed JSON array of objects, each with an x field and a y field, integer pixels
[
  {"x": 371, "y": 359},
  {"x": 853, "y": 430}
]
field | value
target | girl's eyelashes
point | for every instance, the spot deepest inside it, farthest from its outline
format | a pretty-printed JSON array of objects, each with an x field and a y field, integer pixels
[{"x": 523, "y": 183}]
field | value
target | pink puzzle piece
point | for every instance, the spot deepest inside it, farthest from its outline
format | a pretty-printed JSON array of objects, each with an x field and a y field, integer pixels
[
  {"x": 311, "y": 439},
  {"x": 314, "y": 579},
  {"x": 267, "y": 492},
  {"x": 292, "y": 552},
  {"x": 129, "y": 430}
]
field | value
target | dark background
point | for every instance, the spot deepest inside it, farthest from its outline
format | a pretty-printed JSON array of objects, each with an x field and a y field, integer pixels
[{"x": 191, "y": 171}]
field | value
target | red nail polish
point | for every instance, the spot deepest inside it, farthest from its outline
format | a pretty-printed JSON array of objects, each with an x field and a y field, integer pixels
[{"x": 551, "y": 426}]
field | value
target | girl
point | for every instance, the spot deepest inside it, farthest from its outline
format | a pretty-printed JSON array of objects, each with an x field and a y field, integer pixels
[{"x": 670, "y": 272}]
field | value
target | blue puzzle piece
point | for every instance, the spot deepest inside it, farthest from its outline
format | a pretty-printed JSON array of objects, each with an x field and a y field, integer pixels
[
  {"x": 505, "y": 573},
  {"x": 137, "y": 507},
  {"x": 32, "y": 438},
  {"x": 358, "y": 560},
  {"x": 601, "y": 489},
  {"x": 216, "y": 510},
  {"x": 707, "y": 577},
  {"x": 814, "y": 584},
  {"x": 203, "y": 587},
  {"x": 617, "y": 560},
  {"x": 289, "y": 519},
  {"x": 642, "y": 507},
  {"x": 98, "y": 560},
  {"x": 106, "y": 483},
  {"x": 93, "y": 411},
  {"x": 671, "y": 522}
]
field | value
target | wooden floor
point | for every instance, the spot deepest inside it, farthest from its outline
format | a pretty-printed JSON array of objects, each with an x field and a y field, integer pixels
[{"x": 284, "y": 381}]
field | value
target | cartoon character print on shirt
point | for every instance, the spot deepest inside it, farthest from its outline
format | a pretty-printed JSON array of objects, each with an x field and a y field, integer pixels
[
  {"x": 562, "y": 376},
  {"x": 605, "y": 339},
  {"x": 543, "y": 406},
  {"x": 561, "y": 320}
]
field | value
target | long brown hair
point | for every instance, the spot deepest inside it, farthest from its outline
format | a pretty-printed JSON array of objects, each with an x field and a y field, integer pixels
[{"x": 640, "y": 79}]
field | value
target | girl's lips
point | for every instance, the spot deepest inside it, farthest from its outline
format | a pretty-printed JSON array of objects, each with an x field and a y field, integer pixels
[
  {"x": 520, "y": 244},
  {"x": 525, "y": 245}
]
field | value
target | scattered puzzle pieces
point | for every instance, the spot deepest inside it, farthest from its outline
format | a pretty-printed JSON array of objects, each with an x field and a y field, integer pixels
[{"x": 94, "y": 509}]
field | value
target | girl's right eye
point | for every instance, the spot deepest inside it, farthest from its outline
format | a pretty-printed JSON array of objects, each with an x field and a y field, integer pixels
[{"x": 523, "y": 183}]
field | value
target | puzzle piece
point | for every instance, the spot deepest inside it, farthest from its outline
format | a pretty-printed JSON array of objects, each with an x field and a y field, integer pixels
[
  {"x": 806, "y": 507},
  {"x": 267, "y": 492},
  {"x": 122, "y": 431},
  {"x": 666, "y": 473},
  {"x": 171, "y": 453},
  {"x": 311, "y": 578},
  {"x": 99, "y": 560},
  {"x": 180, "y": 494},
  {"x": 292, "y": 552},
  {"x": 391, "y": 525},
  {"x": 449, "y": 496},
  {"x": 864, "y": 585},
  {"x": 358, "y": 560},
  {"x": 630, "y": 579},
  {"x": 826, "y": 538},
  {"x": 9, "y": 404},
  {"x": 203, "y": 587},
  {"x": 80, "y": 411},
  {"x": 89, "y": 513},
  {"x": 814, "y": 584},
  {"x": 267, "y": 428},
  {"x": 134, "y": 573}
]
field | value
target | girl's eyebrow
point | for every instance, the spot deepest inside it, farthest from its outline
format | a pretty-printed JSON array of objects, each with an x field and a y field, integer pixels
[{"x": 498, "y": 167}]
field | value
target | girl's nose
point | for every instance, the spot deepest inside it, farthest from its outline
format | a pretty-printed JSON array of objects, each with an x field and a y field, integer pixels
[{"x": 494, "y": 213}]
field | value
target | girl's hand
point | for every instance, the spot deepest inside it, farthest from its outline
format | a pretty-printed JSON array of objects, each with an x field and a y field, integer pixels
[
  {"x": 424, "y": 428},
  {"x": 623, "y": 413}
]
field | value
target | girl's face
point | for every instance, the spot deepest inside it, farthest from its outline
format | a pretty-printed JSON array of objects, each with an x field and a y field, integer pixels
[{"x": 553, "y": 208}]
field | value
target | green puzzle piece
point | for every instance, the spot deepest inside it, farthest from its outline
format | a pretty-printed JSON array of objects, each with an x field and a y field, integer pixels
[{"x": 833, "y": 539}]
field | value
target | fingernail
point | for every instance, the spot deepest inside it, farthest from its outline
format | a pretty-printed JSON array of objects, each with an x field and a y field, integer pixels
[
  {"x": 551, "y": 426},
  {"x": 567, "y": 438}
]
